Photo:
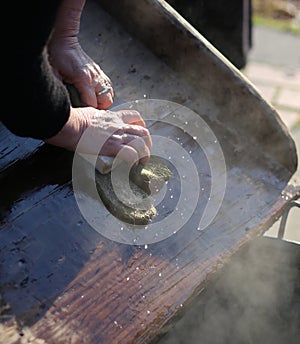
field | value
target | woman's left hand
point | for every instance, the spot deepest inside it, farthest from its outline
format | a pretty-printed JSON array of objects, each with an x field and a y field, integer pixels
[{"x": 72, "y": 65}]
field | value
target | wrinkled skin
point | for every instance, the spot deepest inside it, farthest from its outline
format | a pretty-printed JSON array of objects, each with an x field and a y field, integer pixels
[
  {"x": 70, "y": 62},
  {"x": 72, "y": 65},
  {"x": 107, "y": 133},
  {"x": 120, "y": 132}
]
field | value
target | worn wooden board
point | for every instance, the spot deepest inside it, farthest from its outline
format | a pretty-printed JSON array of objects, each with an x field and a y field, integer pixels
[
  {"x": 14, "y": 148},
  {"x": 65, "y": 282}
]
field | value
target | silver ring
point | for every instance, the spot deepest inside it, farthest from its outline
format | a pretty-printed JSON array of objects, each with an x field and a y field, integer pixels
[{"x": 104, "y": 91}]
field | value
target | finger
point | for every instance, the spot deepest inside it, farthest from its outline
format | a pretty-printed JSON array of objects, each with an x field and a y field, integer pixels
[
  {"x": 132, "y": 117},
  {"x": 105, "y": 100},
  {"x": 129, "y": 154},
  {"x": 102, "y": 76},
  {"x": 124, "y": 152},
  {"x": 139, "y": 145},
  {"x": 117, "y": 142},
  {"x": 137, "y": 130},
  {"x": 104, "y": 87},
  {"x": 108, "y": 89}
]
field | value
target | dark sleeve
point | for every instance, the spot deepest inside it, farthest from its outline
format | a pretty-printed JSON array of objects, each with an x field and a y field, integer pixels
[{"x": 40, "y": 104}]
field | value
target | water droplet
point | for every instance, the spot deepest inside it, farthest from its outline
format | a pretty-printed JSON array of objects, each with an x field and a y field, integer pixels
[
  {"x": 190, "y": 152},
  {"x": 21, "y": 262},
  {"x": 195, "y": 137},
  {"x": 117, "y": 324},
  {"x": 127, "y": 278},
  {"x": 148, "y": 312},
  {"x": 145, "y": 96},
  {"x": 159, "y": 274},
  {"x": 186, "y": 122},
  {"x": 146, "y": 247},
  {"x": 171, "y": 196}
]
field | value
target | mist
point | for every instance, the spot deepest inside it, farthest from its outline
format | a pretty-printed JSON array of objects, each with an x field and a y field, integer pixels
[{"x": 255, "y": 299}]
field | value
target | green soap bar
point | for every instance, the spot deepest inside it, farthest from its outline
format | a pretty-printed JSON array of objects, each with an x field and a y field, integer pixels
[
  {"x": 137, "y": 214},
  {"x": 74, "y": 95},
  {"x": 152, "y": 176}
]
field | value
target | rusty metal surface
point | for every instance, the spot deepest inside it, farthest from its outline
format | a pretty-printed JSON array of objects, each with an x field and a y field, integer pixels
[{"x": 64, "y": 282}]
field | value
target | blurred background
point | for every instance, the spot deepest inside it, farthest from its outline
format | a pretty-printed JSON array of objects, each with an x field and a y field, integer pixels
[
  {"x": 229, "y": 25},
  {"x": 277, "y": 14},
  {"x": 257, "y": 297}
]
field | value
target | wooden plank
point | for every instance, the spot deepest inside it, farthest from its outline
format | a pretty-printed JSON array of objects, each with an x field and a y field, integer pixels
[
  {"x": 66, "y": 282},
  {"x": 93, "y": 290},
  {"x": 14, "y": 148}
]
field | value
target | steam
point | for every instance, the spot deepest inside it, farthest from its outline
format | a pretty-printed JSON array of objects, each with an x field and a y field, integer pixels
[{"x": 255, "y": 300}]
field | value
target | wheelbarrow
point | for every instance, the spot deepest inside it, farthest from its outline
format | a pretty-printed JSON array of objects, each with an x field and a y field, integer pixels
[{"x": 67, "y": 277}]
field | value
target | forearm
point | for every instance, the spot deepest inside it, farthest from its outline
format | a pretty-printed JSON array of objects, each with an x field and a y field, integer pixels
[
  {"x": 69, "y": 136},
  {"x": 68, "y": 18},
  {"x": 70, "y": 61}
]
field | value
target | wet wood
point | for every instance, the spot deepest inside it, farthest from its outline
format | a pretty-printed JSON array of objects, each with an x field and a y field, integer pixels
[
  {"x": 62, "y": 280},
  {"x": 14, "y": 148}
]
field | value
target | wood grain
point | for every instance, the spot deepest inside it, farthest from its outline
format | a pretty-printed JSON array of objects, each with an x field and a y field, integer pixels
[{"x": 67, "y": 283}]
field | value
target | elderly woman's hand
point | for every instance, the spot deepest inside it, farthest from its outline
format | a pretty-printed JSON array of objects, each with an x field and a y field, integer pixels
[
  {"x": 106, "y": 132},
  {"x": 72, "y": 65},
  {"x": 70, "y": 62}
]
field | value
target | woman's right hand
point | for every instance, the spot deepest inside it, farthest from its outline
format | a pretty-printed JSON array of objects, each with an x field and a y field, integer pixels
[{"x": 107, "y": 133}]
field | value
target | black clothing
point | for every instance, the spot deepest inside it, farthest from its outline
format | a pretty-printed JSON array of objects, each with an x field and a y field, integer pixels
[{"x": 42, "y": 103}]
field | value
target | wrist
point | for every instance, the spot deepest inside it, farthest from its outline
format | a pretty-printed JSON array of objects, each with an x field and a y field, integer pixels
[
  {"x": 70, "y": 134},
  {"x": 68, "y": 18}
]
